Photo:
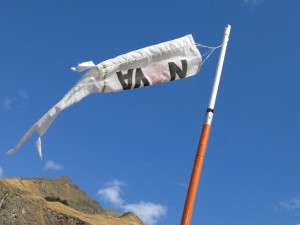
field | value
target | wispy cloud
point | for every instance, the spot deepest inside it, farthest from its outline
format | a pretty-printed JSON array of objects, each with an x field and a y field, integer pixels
[
  {"x": 1, "y": 172},
  {"x": 19, "y": 100},
  {"x": 290, "y": 205},
  {"x": 149, "y": 212},
  {"x": 8, "y": 102},
  {"x": 22, "y": 94},
  {"x": 252, "y": 3},
  {"x": 50, "y": 165},
  {"x": 183, "y": 184}
]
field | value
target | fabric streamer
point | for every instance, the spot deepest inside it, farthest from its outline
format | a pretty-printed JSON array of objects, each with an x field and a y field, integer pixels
[{"x": 168, "y": 61}]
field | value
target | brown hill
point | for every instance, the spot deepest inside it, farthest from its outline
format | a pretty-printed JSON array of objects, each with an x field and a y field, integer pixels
[{"x": 44, "y": 201}]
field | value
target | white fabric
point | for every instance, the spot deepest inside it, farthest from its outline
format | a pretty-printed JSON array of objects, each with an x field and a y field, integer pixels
[
  {"x": 83, "y": 66},
  {"x": 156, "y": 64},
  {"x": 39, "y": 146}
]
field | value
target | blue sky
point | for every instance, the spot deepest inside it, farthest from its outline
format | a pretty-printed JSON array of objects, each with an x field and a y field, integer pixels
[{"x": 134, "y": 150}]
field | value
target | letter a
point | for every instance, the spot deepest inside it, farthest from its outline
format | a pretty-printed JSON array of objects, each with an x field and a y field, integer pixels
[
  {"x": 174, "y": 69},
  {"x": 123, "y": 77}
]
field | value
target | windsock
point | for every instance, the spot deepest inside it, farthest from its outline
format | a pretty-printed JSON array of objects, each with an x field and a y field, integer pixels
[{"x": 161, "y": 63}]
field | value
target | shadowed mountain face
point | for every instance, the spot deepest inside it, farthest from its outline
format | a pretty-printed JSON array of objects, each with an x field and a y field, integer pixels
[{"x": 53, "y": 201}]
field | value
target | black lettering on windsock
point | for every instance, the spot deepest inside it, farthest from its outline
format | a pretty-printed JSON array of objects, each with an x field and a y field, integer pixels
[{"x": 174, "y": 69}]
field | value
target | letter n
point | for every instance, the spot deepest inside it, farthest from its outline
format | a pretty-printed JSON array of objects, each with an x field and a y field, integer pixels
[
  {"x": 123, "y": 77},
  {"x": 174, "y": 69}
]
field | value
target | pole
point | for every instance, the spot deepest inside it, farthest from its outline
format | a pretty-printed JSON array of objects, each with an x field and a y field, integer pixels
[{"x": 199, "y": 158}]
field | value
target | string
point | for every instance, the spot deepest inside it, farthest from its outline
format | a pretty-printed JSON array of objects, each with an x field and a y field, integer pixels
[{"x": 209, "y": 53}]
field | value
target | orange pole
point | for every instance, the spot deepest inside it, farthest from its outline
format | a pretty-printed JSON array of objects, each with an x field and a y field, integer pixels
[
  {"x": 198, "y": 163},
  {"x": 195, "y": 178}
]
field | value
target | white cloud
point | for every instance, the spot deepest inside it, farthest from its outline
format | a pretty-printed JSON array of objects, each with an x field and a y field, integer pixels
[
  {"x": 111, "y": 193},
  {"x": 1, "y": 172},
  {"x": 149, "y": 212},
  {"x": 50, "y": 165},
  {"x": 290, "y": 205}
]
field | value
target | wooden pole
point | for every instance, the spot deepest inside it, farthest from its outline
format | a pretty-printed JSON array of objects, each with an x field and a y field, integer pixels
[{"x": 199, "y": 158}]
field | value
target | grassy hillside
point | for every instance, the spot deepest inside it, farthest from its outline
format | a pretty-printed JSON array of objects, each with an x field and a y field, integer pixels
[{"x": 53, "y": 201}]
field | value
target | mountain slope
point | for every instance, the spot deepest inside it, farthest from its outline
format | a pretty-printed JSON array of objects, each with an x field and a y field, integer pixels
[{"x": 53, "y": 201}]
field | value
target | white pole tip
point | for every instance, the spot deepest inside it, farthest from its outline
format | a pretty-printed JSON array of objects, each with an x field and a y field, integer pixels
[{"x": 227, "y": 29}]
